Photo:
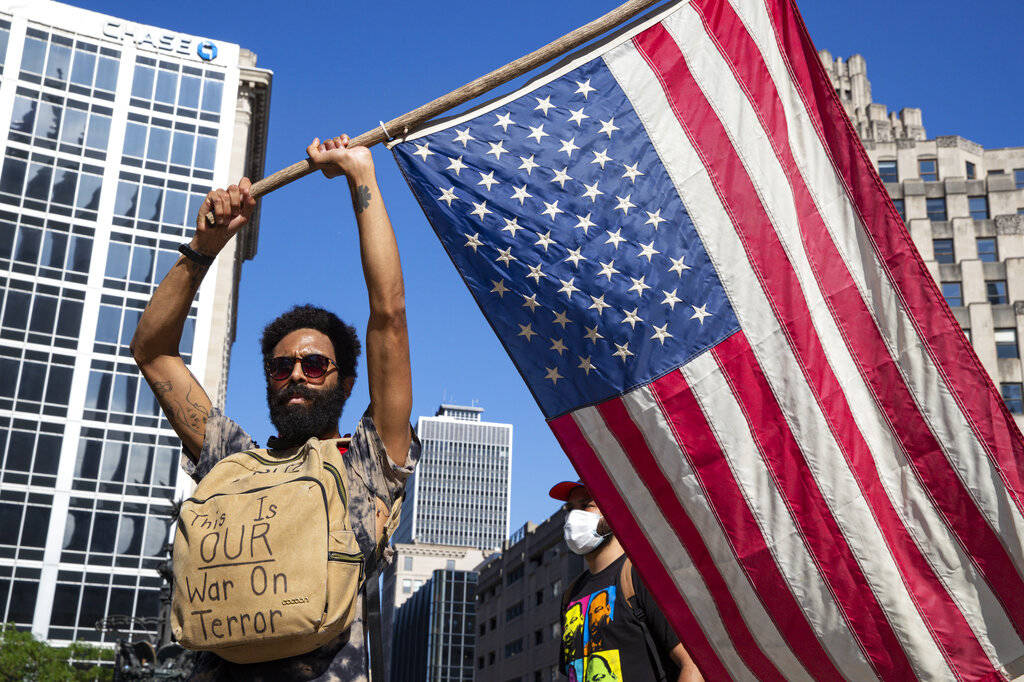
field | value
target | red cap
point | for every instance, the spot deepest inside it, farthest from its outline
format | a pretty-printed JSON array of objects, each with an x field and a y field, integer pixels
[{"x": 561, "y": 491}]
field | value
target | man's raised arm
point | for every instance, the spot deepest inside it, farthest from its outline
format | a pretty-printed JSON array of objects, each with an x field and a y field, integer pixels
[
  {"x": 158, "y": 335},
  {"x": 387, "y": 339}
]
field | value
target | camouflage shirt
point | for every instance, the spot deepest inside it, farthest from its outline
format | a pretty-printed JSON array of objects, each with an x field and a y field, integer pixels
[{"x": 372, "y": 474}]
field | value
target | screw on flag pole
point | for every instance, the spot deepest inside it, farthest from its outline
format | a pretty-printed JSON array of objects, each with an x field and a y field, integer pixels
[
  {"x": 682, "y": 245},
  {"x": 412, "y": 119}
]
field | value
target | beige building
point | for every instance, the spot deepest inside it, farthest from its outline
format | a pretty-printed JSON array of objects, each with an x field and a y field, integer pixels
[
  {"x": 414, "y": 564},
  {"x": 964, "y": 207}
]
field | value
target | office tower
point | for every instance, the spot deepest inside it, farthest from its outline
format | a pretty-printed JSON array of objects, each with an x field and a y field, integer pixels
[
  {"x": 964, "y": 207},
  {"x": 113, "y": 134},
  {"x": 518, "y": 603},
  {"x": 434, "y": 631},
  {"x": 459, "y": 494}
]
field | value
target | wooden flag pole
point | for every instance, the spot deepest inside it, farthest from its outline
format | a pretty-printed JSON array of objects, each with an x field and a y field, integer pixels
[{"x": 408, "y": 121}]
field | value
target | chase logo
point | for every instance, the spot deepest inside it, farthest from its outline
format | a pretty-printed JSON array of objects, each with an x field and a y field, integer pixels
[{"x": 206, "y": 50}]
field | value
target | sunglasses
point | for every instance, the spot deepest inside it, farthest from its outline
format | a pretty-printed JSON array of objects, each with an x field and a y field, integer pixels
[{"x": 314, "y": 366}]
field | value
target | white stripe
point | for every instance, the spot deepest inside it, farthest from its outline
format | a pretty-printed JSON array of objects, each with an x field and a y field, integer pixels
[
  {"x": 744, "y": 291},
  {"x": 647, "y": 415},
  {"x": 933, "y": 537},
  {"x": 927, "y": 385},
  {"x": 763, "y": 167},
  {"x": 662, "y": 538}
]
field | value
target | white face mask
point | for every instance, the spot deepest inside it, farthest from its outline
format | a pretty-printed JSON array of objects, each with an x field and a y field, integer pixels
[{"x": 581, "y": 531}]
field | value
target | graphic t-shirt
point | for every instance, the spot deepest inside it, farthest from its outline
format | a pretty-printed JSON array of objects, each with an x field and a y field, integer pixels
[{"x": 602, "y": 640}]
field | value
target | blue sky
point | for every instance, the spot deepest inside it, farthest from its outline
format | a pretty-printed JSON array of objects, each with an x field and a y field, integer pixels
[{"x": 342, "y": 66}]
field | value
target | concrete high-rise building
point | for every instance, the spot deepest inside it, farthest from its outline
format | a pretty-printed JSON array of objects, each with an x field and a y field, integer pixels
[
  {"x": 459, "y": 494},
  {"x": 518, "y": 603},
  {"x": 434, "y": 631},
  {"x": 113, "y": 134},
  {"x": 964, "y": 207}
]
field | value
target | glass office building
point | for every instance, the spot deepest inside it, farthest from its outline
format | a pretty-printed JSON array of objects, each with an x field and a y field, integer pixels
[
  {"x": 459, "y": 494},
  {"x": 113, "y": 134},
  {"x": 435, "y": 631}
]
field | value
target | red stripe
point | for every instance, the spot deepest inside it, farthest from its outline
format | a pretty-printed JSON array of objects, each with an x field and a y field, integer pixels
[
  {"x": 700, "y": 446},
  {"x": 968, "y": 381},
  {"x": 807, "y": 504},
  {"x": 636, "y": 543},
  {"x": 944, "y": 618},
  {"x": 769, "y": 261},
  {"x": 635, "y": 446}
]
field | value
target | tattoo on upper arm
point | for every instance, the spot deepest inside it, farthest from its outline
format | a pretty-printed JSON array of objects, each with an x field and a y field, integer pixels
[
  {"x": 189, "y": 413},
  {"x": 361, "y": 198}
]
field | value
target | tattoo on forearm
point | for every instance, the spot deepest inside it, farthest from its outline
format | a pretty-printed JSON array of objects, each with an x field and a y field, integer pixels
[{"x": 361, "y": 198}]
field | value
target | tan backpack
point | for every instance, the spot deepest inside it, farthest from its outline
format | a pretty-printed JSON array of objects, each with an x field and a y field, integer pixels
[{"x": 266, "y": 564}]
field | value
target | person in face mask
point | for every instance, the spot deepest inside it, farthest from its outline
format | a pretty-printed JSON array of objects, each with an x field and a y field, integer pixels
[{"x": 612, "y": 629}]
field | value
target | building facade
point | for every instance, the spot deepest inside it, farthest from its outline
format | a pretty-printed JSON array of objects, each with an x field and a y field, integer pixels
[
  {"x": 964, "y": 207},
  {"x": 434, "y": 630},
  {"x": 114, "y": 133},
  {"x": 412, "y": 568},
  {"x": 459, "y": 494},
  {"x": 519, "y": 598}
]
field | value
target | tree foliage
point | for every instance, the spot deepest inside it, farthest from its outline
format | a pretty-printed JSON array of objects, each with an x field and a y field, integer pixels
[{"x": 25, "y": 658}]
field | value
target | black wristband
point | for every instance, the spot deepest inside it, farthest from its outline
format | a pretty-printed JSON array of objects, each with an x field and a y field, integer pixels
[{"x": 195, "y": 256}]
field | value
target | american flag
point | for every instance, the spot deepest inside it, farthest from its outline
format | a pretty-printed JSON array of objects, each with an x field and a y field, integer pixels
[{"x": 683, "y": 247}]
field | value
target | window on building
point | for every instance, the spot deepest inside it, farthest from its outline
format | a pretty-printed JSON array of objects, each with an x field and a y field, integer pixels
[
  {"x": 407, "y": 563},
  {"x": 936, "y": 208},
  {"x": 1018, "y": 177},
  {"x": 943, "y": 249},
  {"x": 1020, "y": 211},
  {"x": 538, "y": 676},
  {"x": 514, "y": 611},
  {"x": 493, "y": 623},
  {"x": 480, "y": 663},
  {"x": 490, "y": 658},
  {"x": 928, "y": 169},
  {"x": 995, "y": 290},
  {"x": 1013, "y": 396},
  {"x": 540, "y": 597},
  {"x": 556, "y": 587},
  {"x": 450, "y": 564},
  {"x": 515, "y": 574},
  {"x": 978, "y": 207},
  {"x": 997, "y": 171},
  {"x": 556, "y": 630},
  {"x": 538, "y": 637},
  {"x": 901, "y": 208},
  {"x": 514, "y": 647},
  {"x": 888, "y": 171},
  {"x": 1006, "y": 342},
  {"x": 406, "y": 586},
  {"x": 483, "y": 628},
  {"x": 988, "y": 250},
  {"x": 971, "y": 170},
  {"x": 953, "y": 293}
]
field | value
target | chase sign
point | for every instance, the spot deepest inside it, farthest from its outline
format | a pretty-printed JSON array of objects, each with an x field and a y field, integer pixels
[{"x": 160, "y": 40}]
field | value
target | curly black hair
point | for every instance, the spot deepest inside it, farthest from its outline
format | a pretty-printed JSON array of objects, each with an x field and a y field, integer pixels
[{"x": 342, "y": 336}]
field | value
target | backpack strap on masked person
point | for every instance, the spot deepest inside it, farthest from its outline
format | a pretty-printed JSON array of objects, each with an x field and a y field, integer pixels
[{"x": 629, "y": 595}]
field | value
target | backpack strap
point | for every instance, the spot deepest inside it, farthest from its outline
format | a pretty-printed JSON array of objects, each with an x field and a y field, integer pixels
[{"x": 629, "y": 595}]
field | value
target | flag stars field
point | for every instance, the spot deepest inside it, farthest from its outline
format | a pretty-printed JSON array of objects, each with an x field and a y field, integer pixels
[{"x": 600, "y": 236}]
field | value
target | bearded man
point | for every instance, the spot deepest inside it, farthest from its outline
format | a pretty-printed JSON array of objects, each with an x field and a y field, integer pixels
[{"x": 309, "y": 358}]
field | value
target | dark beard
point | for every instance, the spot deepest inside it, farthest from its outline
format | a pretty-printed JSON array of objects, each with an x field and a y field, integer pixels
[{"x": 298, "y": 423}]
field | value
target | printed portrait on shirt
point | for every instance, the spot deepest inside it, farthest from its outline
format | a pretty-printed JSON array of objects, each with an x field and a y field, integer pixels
[
  {"x": 603, "y": 666},
  {"x": 574, "y": 629},
  {"x": 599, "y": 617}
]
